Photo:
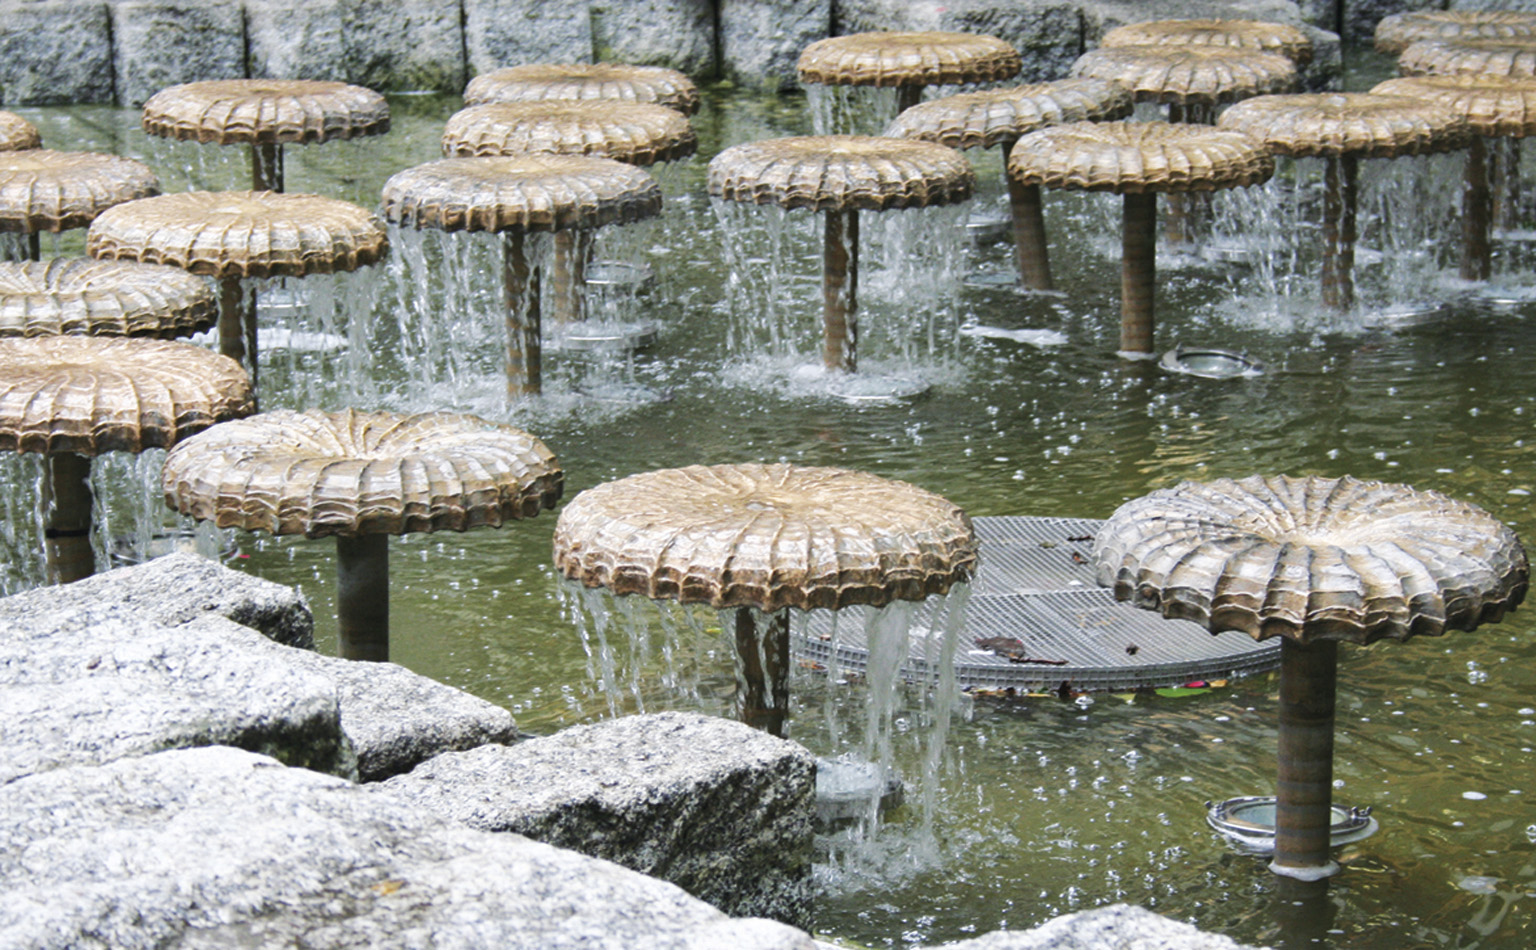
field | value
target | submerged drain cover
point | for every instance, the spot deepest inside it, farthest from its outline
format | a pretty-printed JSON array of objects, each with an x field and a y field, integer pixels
[
  {"x": 847, "y": 787},
  {"x": 1249, "y": 823},
  {"x": 1210, "y": 363}
]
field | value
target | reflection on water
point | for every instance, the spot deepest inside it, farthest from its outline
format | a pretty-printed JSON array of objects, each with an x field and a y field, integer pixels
[{"x": 1045, "y": 806}]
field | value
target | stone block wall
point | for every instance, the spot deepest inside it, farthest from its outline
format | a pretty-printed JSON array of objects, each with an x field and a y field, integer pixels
[{"x": 101, "y": 51}]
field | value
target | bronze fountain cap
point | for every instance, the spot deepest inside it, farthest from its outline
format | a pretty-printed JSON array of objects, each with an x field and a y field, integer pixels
[
  {"x": 765, "y": 536},
  {"x": 1139, "y": 157},
  {"x": 535, "y": 82},
  {"x": 17, "y": 133},
  {"x": 88, "y": 395},
  {"x": 1397, "y": 32},
  {"x": 908, "y": 59},
  {"x": 1361, "y": 124},
  {"x": 1189, "y": 75},
  {"x": 1492, "y": 105},
  {"x": 102, "y": 298},
  {"x": 44, "y": 190},
  {"x": 532, "y": 192},
  {"x": 841, "y": 172},
  {"x": 639, "y": 133},
  {"x": 241, "y": 234},
  {"x": 1484, "y": 56},
  {"x": 354, "y": 473},
  {"x": 1259, "y": 35},
  {"x": 995, "y": 116},
  {"x": 252, "y": 111},
  {"x": 1312, "y": 559}
]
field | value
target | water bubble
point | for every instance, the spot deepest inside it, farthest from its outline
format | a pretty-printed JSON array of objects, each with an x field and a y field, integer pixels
[{"x": 1474, "y": 796}]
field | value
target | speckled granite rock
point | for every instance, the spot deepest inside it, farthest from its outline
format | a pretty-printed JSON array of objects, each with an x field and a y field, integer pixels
[
  {"x": 406, "y": 45},
  {"x": 54, "y": 52},
  {"x": 220, "y": 848},
  {"x": 679, "y": 34},
  {"x": 159, "y": 43},
  {"x": 501, "y": 33},
  {"x": 761, "y": 40},
  {"x": 1047, "y": 33},
  {"x": 718, "y": 808},
  {"x": 1118, "y": 926}
]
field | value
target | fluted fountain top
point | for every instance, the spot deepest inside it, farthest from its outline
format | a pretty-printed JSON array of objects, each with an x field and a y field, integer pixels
[
  {"x": 241, "y": 234},
  {"x": 1258, "y": 35},
  {"x": 102, "y": 298},
  {"x": 1484, "y": 56},
  {"x": 243, "y": 111},
  {"x": 537, "y": 82},
  {"x": 90, "y": 395},
  {"x": 354, "y": 473},
  {"x": 1189, "y": 75},
  {"x": 930, "y": 58},
  {"x": 1492, "y": 105},
  {"x": 1139, "y": 157},
  {"x": 533, "y": 192},
  {"x": 841, "y": 172},
  {"x": 994, "y": 116},
  {"x": 1312, "y": 558},
  {"x": 1397, "y": 32},
  {"x": 17, "y": 133},
  {"x": 639, "y": 133},
  {"x": 1361, "y": 124},
  {"x": 44, "y": 190},
  {"x": 765, "y": 536}
]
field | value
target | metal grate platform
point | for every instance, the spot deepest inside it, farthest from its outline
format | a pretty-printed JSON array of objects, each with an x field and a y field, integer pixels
[{"x": 1036, "y": 583}]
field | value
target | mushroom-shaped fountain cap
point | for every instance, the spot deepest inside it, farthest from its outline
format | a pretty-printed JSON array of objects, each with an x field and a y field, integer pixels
[
  {"x": 251, "y": 111},
  {"x": 1397, "y": 32},
  {"x": 1189, "y": 75},
  {"x": 241, "y": 234},
  {"x": 536, "y": 82},
  {"x": 17, "y": 133},
  {"x": 102, "y": 298},
  {"x": 1484, "y": 56},
  {"x": 533, "y": 192},
  {"x": 841, "y": 172},
  {"x": 993, "y": 116},
  {"x": 44, "y": 190},
  {"x": 89, "y": 395},
  {"x": 1258, "y": 35},
  {"x": 1361, "y": 124},
  {"x": 765, "y": 536},
  {"x": 1312, "y": 558},
  {"x": 1492, "y": 105},
  {"x": 1139, "y": 157},
  {"x": 908, "y": 59},
  {"x": 354, "y": 473},
  {"x": 635, "y": 132}
]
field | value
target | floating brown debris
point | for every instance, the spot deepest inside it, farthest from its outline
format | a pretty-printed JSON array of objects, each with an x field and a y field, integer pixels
[
  {"x": 246, "y": 111},
  {"x": 89, "y": 395},
  {"x": 836, "y": 172},
  {"x": 533, "y": 192},
  {"x": 17, "y": 133},
  {"x": 241, "y": 234},
  {"x": 765, "y": 536},
  {"x": 1312, "y": 558},
  {"x": 103, "y": 298},
  {"x": 1397, "y": 32},
  {"x": 908, "y": 59},
  {"x": 1257, "y": 35},
  {"x": 537, "y": 82},
  {"x": 44, "y": 190},
  {"x": 635, "y": 132}
]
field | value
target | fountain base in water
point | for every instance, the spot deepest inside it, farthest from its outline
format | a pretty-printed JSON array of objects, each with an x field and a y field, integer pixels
[
  {"x": 850, "y": 789},
  {"x": 1210, "y": 363},
  {"x": 1249, "y": 823}
]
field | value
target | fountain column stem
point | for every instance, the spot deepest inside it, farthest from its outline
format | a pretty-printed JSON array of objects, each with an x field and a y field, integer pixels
[
  {"x": 362, "y": 596},
  {"x": 1340, "y": 179},
  {"x": 521, "y": 284},
  {"x": 1028, "y": 230},
  {"x": 1476, "y": 207},
  {"x": 68, "y": 534},
  {"x": 237, "y": 326},
  {"x": 762, "y": 700},
  {"x": 34, "y": 246},
  {"x": 1304, "y": 806},
  {"x": 1138, "y": 272},
  {"x": 840, "y": 291},
  {"x": 1506, "y": 198},
  {"x": 907, "y": 97},
  {"x": 266, "y": 166},
  {"x": 569, "y": 275}
]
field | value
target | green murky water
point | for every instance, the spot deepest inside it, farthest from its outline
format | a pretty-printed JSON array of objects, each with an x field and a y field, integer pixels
[{"x": 1046, "y": 806}]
